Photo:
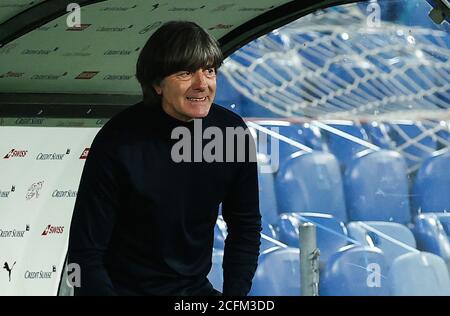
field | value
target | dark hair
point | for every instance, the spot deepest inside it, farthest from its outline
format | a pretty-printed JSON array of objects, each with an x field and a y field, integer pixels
[{"x": 175, "y": 46}]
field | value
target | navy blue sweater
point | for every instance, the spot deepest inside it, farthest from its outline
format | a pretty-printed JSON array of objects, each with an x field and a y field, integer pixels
[{"x": 144, "y": 224}]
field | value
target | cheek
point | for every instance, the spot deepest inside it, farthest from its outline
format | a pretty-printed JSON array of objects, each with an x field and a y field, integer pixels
[
  {"x": 212, "y": 86},
  {"x": 176, "y": 94}
]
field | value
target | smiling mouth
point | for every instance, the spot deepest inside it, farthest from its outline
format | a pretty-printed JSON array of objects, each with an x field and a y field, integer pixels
[{"x": 197, "y": 99}]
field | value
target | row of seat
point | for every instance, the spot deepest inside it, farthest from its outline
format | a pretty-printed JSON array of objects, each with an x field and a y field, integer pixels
[
  {"x": 353, "y": 270},
  {"x": 373, "y": 265},
  {"x": 415, "y": 140},
  {"x": 375, "y": 188},
  {"x": 311, "y": 182},
  {"x": 332, "y": 233},
  {"x": 431, "y": 177}
]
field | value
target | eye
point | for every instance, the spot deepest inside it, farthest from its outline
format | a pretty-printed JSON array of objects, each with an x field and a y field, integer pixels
[
  {"x": 210, "y": 72},
  {"x": 184, "y": 74}
]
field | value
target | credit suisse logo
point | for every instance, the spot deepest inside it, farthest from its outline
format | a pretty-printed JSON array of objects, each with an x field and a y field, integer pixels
[
  {"x": 42, "y": 274},
  {"x": 5, "y": 194},
  {"x": 14, "y": 233},
  {"x": 52, "y": 156}
]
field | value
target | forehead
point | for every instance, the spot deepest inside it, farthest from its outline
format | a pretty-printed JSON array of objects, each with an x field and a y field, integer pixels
[
  {"x": 186, "y": 73},
  {"x": 201, "y": 69},
  {"x": 181, "y": 77}
]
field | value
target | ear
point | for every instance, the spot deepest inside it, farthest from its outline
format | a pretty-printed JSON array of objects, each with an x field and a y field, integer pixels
[{"x": 157, "y": 89}]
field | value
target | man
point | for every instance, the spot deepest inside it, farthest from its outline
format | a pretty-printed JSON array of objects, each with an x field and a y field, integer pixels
[{"x": 143, "y": 222}]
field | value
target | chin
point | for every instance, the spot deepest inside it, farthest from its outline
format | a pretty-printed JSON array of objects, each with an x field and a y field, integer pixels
[
  {"x": 199, "y": 113},
  {"x": 198, "y": 116}
]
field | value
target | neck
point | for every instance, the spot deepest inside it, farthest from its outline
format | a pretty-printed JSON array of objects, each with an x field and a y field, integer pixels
[{"x": 177, "y": 116}]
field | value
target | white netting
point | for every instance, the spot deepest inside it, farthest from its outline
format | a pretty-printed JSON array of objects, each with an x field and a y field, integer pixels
[
  {"x": 332, "y": 65},
  {"x": 318, "y": 66},
  {"x": 418, "y": 140}
]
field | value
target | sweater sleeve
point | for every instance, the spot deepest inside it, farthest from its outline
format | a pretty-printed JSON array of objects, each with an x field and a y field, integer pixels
[
  {"x": 241, "y": 213},
  {"x": 93, "y": 220}
]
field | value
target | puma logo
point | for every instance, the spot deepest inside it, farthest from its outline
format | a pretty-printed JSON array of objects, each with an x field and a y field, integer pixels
[{"x": 7, "y": 268}]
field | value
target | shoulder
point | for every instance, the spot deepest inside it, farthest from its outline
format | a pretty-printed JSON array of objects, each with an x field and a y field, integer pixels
[
  {"x": 225, "y": 117},
  {"x": 121, "y": 126},
  {"x": 126, "y": 119}
]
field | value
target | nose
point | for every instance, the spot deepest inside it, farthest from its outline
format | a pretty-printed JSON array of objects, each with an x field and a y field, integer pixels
[{"x": 199, "y": 80}]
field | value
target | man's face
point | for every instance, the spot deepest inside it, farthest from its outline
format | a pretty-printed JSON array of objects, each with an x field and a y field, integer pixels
[{"x": 188, "y": 95}]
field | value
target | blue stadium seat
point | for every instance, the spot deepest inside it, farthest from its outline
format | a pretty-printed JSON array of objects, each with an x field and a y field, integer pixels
[
  {"x": 303, "y": 133},
  {"x": 393, "y": 239},
  {"x": 444, "y": 219},
  {"x": 376, "y": 188},
  {"x": 215, "y": 275},
  {"x": 431, "y": 190},
  {"x": 287, "y": 129},
  {"x": 312, "y": 137},
  {"x": 419, "y": 273},
  {"x": 278, "y": 273},
  {"x": 432, "y": 232},
  {"x": 268, "y": 208},
  {"x": 220, "y": 233},
  {"x": 444, "y": 136},
  {"x": 269, "y": 236},
  {"x": 355, "y": 270},
  {"x": 403, "y": 131},
  {"x": 342, "y": 148},
  {"x": 311, "y": 182},
  {"x": 331, "y": 234},
  {"x": 228, "y": 97},
  {"x": 379, "y": 135},
  {"x": 267, "y": 198}
]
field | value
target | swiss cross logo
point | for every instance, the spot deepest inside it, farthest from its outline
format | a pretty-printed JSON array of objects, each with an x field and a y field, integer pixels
[
  {"x": 85, "y": 153},
  {"x": 78, "y": 28},
  {"x": 14, "y": 153},
  {"x": 87, "y": 75},
  {"x": 53, "y": 230}
]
